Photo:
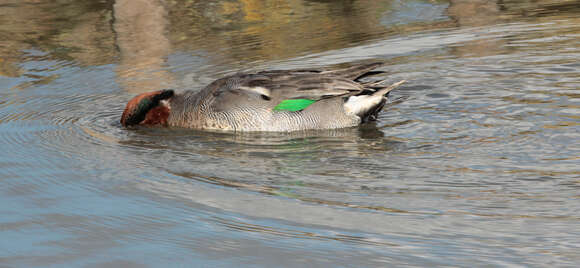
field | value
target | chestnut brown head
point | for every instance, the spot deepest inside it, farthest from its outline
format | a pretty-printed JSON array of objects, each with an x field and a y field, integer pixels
[{"x": 147, "y": 109}]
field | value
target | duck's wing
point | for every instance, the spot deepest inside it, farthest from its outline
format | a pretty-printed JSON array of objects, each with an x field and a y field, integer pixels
[
  {"x": 267, "y": 90},
  {"x": 284, "y": 89},
  {"x": 352, "y": 72},
  {"x": 356, "y": 72}
]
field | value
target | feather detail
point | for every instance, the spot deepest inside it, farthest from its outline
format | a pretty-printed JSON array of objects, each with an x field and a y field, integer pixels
[{"x": 293, "y": 105}]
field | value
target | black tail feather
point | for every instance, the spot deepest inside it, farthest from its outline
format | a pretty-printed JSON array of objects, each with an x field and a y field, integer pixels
[{"x": 373, "y": 114}]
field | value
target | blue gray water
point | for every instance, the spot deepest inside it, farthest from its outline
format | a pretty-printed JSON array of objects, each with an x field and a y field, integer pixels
[{"x": 474, "y": 162}]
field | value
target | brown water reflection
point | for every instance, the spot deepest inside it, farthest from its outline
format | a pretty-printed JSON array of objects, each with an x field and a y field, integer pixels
[
  {"x": 140, "y": 30},
  {"x": 266, "y": 30},
  {"x": 140, "y": 34}
]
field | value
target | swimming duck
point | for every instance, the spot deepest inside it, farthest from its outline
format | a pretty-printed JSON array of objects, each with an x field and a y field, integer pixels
[{"x": 280, "y": 100}]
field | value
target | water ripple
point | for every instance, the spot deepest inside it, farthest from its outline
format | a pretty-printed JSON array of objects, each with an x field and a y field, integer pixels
[{"x": 469, "y": 160}]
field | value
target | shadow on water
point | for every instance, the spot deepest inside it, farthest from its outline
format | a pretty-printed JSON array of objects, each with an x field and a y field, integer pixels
[{"x": 261, "y": 155}]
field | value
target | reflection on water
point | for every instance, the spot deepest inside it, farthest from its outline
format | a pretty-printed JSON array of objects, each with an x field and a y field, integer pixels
[
  {"x": 140, "y": 29},
  {"x": 475, "y": 159}
]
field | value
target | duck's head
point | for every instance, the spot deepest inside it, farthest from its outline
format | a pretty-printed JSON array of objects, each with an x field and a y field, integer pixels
[{"x": 150, "y": 108}]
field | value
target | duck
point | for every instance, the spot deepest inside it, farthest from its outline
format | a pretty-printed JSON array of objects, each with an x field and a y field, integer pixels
[{"x": 272, "y": 101}]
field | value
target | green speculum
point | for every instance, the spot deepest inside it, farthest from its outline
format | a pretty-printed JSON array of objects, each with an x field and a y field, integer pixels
[{"x": 293, "y": 105}]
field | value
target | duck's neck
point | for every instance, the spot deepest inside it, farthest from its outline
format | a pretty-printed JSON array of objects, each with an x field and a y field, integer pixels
[
  {"x": 185, "y": 109},
  {"x": 158, "y": 115}
]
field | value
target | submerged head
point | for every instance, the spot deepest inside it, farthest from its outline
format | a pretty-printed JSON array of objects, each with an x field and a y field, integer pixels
[{"x": 147, "y": 109}]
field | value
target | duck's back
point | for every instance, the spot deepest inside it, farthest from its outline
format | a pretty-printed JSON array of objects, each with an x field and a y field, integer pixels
[{"x": 284, "y": 100}]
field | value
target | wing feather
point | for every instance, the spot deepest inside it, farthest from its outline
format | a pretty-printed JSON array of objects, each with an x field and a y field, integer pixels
[{"x": 270, "y": 88}]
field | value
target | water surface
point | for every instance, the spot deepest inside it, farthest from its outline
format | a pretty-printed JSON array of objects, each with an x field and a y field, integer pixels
[{"x": 475, "y": 161}]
